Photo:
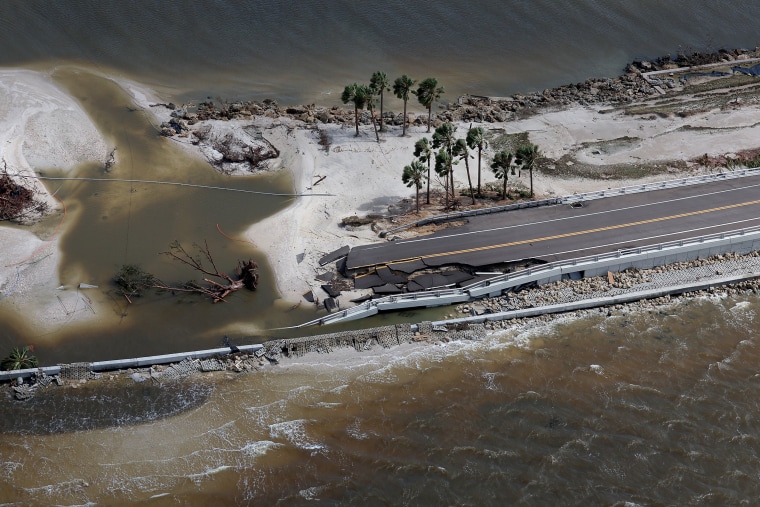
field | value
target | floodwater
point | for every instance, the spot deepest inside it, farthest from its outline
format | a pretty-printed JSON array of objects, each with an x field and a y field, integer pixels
[
  {"x": 658, "y": 408},
  {"x": 644, "y": 409},
  {"x": 112, "y": 223}
]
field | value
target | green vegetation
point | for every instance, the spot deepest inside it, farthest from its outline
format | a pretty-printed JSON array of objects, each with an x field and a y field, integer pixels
[
  {"x": 476, "y": 138},
  {"x": 461, "y": 150},
  {"x": 356, "y": 221},
  {"x": 501, "y": 165},
  {"x": 526, "y": 158},
  {"x": 402, "y": 87},
  {"x": 509, "y": 142},
  {"x": 427, "y": 94},
  {"x": 358, "y": 95},
  {"x": 423, "y": 150},
  {"x": 444, "y": 141},
  {"x": 413, "y": 175},
  {"x": 131, "y": 280},
  {"x": 19, "y": 359},
  {"x": 379, "y": 84}
]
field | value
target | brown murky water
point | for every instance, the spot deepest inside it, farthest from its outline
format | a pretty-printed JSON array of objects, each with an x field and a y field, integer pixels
[
  {"x": 111, "y": 223},
  {"x": 654, "y": 409}
]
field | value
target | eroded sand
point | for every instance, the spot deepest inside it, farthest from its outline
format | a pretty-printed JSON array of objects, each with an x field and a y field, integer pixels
[{"x": 359, "y": 175}]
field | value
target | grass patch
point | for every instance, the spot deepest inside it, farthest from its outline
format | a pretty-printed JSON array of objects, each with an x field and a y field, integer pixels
[
  {"x": 356, "y": 221},
  {"x": 509, "y": 142}
]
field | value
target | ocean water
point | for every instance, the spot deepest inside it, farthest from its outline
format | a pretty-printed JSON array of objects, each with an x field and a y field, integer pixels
[
  {"x": 303, "y": 52},
  {"x": 657, "y": 408}
]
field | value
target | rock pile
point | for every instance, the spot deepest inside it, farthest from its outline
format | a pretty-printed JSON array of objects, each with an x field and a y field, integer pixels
[
  {"x": 366, "y": 339},
  {"x": 614, "y": 284},
  {"x": 272, "y": 352},
  {"x": 40, "y": 380},
  {"x": 626, "y": 88}
]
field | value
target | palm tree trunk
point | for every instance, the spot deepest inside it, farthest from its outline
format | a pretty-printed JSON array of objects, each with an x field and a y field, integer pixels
[
  {"x": 504, "y": 188},
  {"x": 356, "y": 120},
  {"x": 382, "y": 123},
  {"x": 403, "y": 122},
  {"x": 469, "y": 179},
  {"x": 446, "y": 188},
  {"x": 428, "y": 182},
  {"x": 430, "y": 115},
  {"x": 451, "y": 184},
  {"x": 530, "y": 171},
  {"x": 480, "y": 151},
  {"x": 374, "y": 124},
  {"x": 418, "y": 198}
]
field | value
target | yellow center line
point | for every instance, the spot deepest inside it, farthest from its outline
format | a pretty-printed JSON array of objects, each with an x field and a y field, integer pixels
[{"x": 576, "y": 233}]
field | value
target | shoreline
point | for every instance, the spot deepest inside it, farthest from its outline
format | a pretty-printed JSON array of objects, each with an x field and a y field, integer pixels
[
  {"x": 362, "y": 177},
  {"x": 334, "y": 349}
]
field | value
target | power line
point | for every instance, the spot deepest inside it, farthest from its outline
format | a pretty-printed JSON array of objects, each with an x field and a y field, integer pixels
[{"x": 175, "y": 183}]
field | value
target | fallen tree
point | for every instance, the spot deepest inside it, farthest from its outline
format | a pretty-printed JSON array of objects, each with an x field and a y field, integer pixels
[
  {"x": 17, "y": 202},
  {"x": 218, "y": 284}
]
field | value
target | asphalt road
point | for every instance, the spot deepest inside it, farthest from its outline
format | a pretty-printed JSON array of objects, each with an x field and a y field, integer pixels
[{"x": 561, "y": 232}]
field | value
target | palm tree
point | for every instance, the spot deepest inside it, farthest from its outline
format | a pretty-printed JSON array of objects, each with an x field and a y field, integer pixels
[
  {"x": 19, "y": 359},
  {"x": 461, "y": 151},
  {"x": 413, "y": 175},
  {"x": 526, "y": 158},
  {"x": 371, "y": 107},
  {"x": 428, "y": 93},
  {"x": 443, "y": 138},
  {"x": 443, "y": 163},
  {"x": 402, "y": 87},
  {"x": 357, "y": 94},
  {"x": 379, "y": 84},
  {"x": 502, "y": 162},
  {"x": 476, "y": 138},
  {"x": 424, "y": 151}
]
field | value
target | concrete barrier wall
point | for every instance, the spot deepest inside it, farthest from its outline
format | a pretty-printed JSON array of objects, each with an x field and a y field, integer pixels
[
  {"x": 587, "y": 196},
  {"x": 448, "y": 217},
  {"x": 742, "y": 241},
  {"x": 694, "y": 180},
  {"x": 137, "y": 362},
  {"x": 598, "y": 302}
]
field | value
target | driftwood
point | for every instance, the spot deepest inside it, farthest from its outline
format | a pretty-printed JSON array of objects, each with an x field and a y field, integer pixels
[
  {"x": 218, "y": 284},
  {"x": 17, "y": 202}
]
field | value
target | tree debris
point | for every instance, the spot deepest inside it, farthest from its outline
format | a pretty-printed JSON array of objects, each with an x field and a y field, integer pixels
[
  {"x": 17, "y": 202},
  {"x": 247, "y": 273}
]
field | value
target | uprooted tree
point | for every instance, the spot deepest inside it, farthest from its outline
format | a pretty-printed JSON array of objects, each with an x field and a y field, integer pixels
[
  {"x": 131, "y": 280},
  {"x": 218, "y": 283},
  {"x": 17, "y": 202}
]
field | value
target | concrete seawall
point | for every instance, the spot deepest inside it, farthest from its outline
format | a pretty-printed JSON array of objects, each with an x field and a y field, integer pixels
[
  {"x": 246, "y": 357},
  {"x": 272, "y": 350},
  {"x": 740, "y": 241}
]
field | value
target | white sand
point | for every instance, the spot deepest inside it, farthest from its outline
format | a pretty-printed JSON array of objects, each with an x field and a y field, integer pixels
[
  {"x": 365, "y": 176},
  {"x": 44, "y": 127},
  {"x": 40, "y": 127}
]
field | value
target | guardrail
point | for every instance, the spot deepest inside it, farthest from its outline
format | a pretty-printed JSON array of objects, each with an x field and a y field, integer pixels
[
  {"x": 569, "y": 199},
  {"x": 648, "y": 75},
  {"x": 498, "y": 283},
  {"x": 447, "y": 217},
  {"x": 621, "y": 254},
  {"x": 136, "y": 362},
  {"x": 682, "y": 182}
]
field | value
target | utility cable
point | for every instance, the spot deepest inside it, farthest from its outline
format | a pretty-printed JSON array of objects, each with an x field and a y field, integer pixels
[{"x": 175, "y": 183}]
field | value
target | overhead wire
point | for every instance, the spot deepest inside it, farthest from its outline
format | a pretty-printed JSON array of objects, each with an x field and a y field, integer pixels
[{"x": 175, "y": 183}]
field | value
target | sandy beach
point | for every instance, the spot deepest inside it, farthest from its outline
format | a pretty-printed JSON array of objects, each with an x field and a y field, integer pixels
[
  {"x": 42, "y": 127},
  {"x": 337, "y": 174}
]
